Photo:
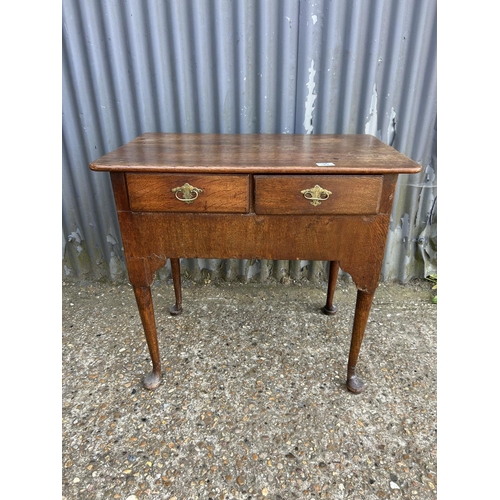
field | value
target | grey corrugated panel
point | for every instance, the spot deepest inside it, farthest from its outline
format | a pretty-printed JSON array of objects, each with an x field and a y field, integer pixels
[{"x": 243, "y": 67}]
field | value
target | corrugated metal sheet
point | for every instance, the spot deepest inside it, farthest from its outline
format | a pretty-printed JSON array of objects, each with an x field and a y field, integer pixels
[{"x": 352, "y": 66}]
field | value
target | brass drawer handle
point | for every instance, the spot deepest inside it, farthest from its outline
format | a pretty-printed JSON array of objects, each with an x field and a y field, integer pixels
[
  {"x": 189, "y": 193},
  {"x": 316, "y": 195}
]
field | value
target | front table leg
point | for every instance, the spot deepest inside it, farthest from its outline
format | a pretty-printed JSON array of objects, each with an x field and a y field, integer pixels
[
  {"x": 363, "y": 305},
  {"x": 145, "y": 305}
]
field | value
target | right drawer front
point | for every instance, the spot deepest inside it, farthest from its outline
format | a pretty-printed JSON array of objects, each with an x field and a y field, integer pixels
[{"x": 318, "y": 194}]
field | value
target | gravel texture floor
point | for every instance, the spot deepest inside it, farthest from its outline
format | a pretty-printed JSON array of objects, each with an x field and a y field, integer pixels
[{"x": 252, "y": 403}]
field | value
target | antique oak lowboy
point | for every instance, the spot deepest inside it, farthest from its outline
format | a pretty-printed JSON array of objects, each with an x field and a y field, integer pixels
[{"x": 311, "y": 197}]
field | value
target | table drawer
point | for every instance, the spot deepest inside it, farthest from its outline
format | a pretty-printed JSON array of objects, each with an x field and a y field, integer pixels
[
  {"x": 188, "y": 193},
  {"x": 317, "y": 194}
]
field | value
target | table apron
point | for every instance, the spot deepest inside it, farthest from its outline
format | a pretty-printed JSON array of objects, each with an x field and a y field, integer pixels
[{"x": 358, "y": 242}]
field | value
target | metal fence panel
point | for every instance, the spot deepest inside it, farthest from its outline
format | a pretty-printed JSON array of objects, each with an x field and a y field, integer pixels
[{"x": 251, "y": 66}]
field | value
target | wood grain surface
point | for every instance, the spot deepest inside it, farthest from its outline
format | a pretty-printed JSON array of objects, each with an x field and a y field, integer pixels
[
  {"x": 349, "y": 194},
  {"x": 257, "y": 153}
]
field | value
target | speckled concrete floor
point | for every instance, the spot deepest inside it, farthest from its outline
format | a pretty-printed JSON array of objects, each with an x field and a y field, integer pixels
[{"x": 252, "y": 403}]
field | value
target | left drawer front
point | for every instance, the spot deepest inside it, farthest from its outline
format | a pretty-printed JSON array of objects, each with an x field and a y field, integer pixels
[{"x": 188, "y": 193}]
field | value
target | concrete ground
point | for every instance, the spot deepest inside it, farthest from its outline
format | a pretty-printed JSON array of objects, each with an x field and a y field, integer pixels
[{"x": 252, "y": 403}]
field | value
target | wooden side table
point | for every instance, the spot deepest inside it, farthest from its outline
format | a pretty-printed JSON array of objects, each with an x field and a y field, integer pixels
[{"x": 266, "y": 196}]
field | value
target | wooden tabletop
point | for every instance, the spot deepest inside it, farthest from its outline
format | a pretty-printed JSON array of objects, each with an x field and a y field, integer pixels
[{"x": 257, "y": 153}]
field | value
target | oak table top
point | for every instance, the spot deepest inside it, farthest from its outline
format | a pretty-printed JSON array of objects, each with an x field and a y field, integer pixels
[{"x": 256, "y": 153}]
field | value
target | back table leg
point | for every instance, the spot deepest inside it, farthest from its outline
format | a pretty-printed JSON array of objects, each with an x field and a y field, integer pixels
[
  {"x": 145, "y": 306},
  {"x": 176, "y": 275},
  {"x": 329, "y": 308}
]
